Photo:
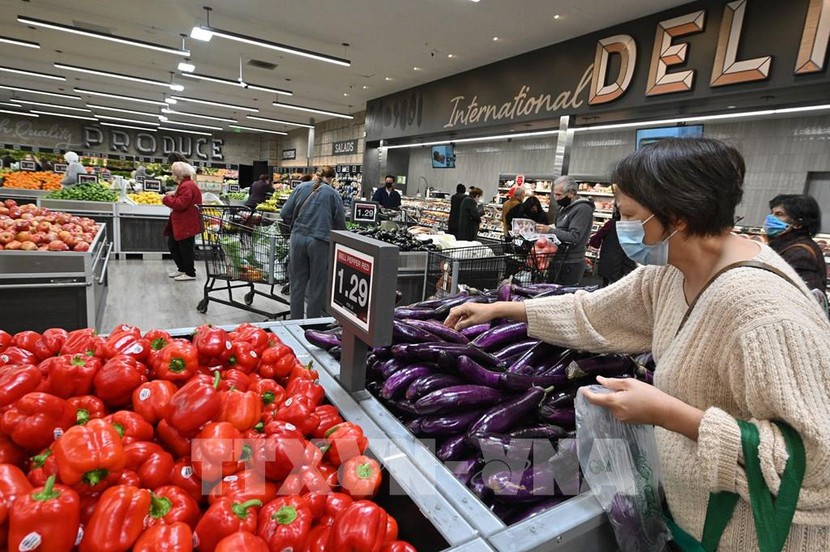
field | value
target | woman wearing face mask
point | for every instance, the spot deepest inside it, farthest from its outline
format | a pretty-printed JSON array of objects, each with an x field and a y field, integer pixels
[
  {"x": 469, "y": 215},
  {"x": 739, "y": 342},
  {"x": 790, "y": 227}
]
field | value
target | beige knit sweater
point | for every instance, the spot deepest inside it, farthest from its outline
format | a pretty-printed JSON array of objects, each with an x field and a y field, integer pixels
[{"x": 755, "y": 348}]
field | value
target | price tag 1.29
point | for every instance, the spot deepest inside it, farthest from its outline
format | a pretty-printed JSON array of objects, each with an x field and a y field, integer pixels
[
  {"x": 365, "y": 212},
  {"x": 352, "y": 285}
]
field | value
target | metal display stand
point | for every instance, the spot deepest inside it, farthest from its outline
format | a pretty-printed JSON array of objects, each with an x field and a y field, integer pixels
[
  {"x": 141, "y": 229},
  {"x": 99, "y": 211}
]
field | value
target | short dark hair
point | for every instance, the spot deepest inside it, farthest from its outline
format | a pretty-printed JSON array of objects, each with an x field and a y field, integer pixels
[
  {"x": 475, "y": 192},
  {"x": 460, "y": 189},
  {"x": 802, "y": 209},
  {"x": 176, "y": 157},
  {"x": 697, "y": 180},
  {"x": 263, "y": 177},
  {"x": 389, "y": 176}
]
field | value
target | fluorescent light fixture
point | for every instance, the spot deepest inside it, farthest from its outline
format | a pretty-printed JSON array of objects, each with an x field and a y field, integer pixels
[
  {"x": 215, "y": 104},
  {"x": 238, "y": 83},
  {"x": 18, "y": 113},
  {"x": 64, "y": 115},
  {"x": 198, "y": 116},
  {"x": 183, "y": 131},
  {"x": 12, "y": 103},
  {"x": 52, "y": 106},
  {"x": 268, "y": 89},
  {"x": 206, "y": 127},
  {"x": 198, "y": 33},
  {"x": 278, "y": 121},
  {"x": 259, "y": 130},
  {"x": 18, "y": 42},
  {"x": 117, "y": 97},
  {"x": 120, "y": 110},
  {"x": 177, "y": 87},
  {"x": 480, "y": 139},
  {"x": 170, "y": 101},
  {"x": 131, "y": 121},
  {"x": 186, "y": 67},
  {"x": 313, "y": 110},
  {"x": 108, "y": 74},
  {"x": 102, "y": 36},
  {"x": 162, "y": 118},
  {"x": 32, "y": 73},
  {"x": 119, "y": 125},
  {"x": 41, "y": 92},
  {"x": 262, "y": 43}
]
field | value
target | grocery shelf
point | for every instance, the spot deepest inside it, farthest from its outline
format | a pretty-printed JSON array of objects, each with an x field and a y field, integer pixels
[
  {"x": 603, "y": 214},
  {"x": 595, "y": 194}
]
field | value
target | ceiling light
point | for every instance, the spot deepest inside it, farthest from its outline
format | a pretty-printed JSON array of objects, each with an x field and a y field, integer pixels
[
  {"x": 53, "y": 106},
  {"x": 313, "y": 110},
  {"x": 278, "y": 121},
  {"x": 259, "y": 130},
  {"x": 117, "y": 97},
  {"x": 12, "y": 103},
  {"x": 495, "y": 39},
  {"x": 17, "y": 42},
  {"x": 216, "y": 104},
  {"x": 416, "y": 68},
  {"x": 130, "y": 78},
  {"x": 208, "y": 127},
  {"x": 238, "y": 83},
  {"x": 42, "y": 92},
  {"x": 345, "y": 93},
  {"x": 177, "y": 87},
  {"x": 450, "y": 56},
  {"x": 198, "y": 116},
  {"x": 120, "y": 110},
  {"x": 198, "y": 33},
  {"x": 102, "y": 36},
  {"x": 123, "y": 120},
  {"x": 183, "y": 131},
  {"x": 66, "y": 115},
  {"x": 365, "y": 87},
  {"x": 170, "y": 101},
  {"x": 162, "y": 118},
  {"x": 18, "y": 113},
  {"x": 119, "y": 125},
  {"x": 32, "y": 73},
  {"x": 388, "y": 78},
  {"x": 186, "y": 67},
  {"x": 267, "y": 89},
  {"x": 556, "y": 16}
]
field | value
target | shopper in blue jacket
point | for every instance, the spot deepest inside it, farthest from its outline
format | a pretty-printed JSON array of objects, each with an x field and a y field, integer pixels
[{"x": 388, "y": 196}]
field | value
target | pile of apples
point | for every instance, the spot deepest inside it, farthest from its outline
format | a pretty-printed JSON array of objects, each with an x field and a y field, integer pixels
[{"x": 30, "y": 228}]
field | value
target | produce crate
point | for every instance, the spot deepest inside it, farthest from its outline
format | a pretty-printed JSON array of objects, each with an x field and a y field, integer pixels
[
  {"x": 480, "y": 267},
  {"x": 104, "y": 212},
  {"x": 141, "y": 229}
]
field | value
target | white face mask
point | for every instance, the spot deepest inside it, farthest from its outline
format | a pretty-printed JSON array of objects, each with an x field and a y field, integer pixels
[{"x": 631, "y": 234}]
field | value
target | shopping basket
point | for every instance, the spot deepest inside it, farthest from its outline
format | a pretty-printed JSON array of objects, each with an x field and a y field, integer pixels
[{"x": 526, "y": 264}]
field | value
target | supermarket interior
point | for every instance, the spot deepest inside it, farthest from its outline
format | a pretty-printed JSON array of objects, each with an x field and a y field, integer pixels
[{"x": 379, "y": 263}]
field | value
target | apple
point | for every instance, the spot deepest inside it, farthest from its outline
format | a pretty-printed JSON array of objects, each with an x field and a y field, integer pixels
[
  {"x": 22, "y": 225},
  {"x": 43, "y": 248},
  {"x": 28, "y": 246},
  {"x": 4, "y": 210},
  {"x": 71, "y": 241},
  {"x": 13, "y": 245},
  {"x": 43, "y": 226},
  {"x": 50, "y": 237},
  {"x": 6, "y": 237},
  {"x": 63, "y": 234},
  {"x": 38, "y": 238},
  {"x": 10, "y": 203},
  {"x": 24, "y": 236},
  {"x": 57, "y": 245},
  {"x": 14, "y": 212},
  {"x": 62, "y": 218},
  {"x": 81, "y": 246},
  {"x": 25, "y": 215}
]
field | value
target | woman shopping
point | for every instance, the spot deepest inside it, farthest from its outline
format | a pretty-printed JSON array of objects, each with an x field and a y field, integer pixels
[
  {"x": 741, "y": 346},
  {"x": 790, "y": 227},
  {"x": 185, "y": 221}
]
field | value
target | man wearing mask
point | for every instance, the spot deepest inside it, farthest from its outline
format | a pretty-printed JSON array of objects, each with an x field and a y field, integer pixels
[
  {"x": 574, "y": 219},
  {"x": 388, "y": 196},
  {"x": 455, "y": 209},
  {"x": 469, "y": 217}
]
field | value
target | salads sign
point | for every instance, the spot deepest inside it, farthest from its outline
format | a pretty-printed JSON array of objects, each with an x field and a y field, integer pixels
[{"x": 146, "y": 143}]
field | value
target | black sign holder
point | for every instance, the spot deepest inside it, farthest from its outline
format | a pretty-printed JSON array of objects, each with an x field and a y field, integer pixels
[
  {"x": 150, "y": 185},
  {"x": 359, "y": 297}
]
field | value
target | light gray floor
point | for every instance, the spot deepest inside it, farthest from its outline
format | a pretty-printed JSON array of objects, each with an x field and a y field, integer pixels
[{"x": 142, "y": 294}]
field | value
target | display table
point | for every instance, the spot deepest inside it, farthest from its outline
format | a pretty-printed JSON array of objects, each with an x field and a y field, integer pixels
[
  {"x": 21, "y": 196},
  {"x": 141, "y": 229},
  {"x": 98, "y": 211}
]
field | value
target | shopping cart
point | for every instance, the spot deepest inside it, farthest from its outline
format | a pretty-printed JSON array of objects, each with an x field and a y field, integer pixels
[
  {"x": 481, "y": 267},
  {"x": 241, "y": 248},
  {"x": 527, "y": 265}
]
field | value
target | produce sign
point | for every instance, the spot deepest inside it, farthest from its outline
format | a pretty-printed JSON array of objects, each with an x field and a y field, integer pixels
[
  {"x": 29, "y": 228},
  {"x": 365, "y": 212},
  {"x": 152, "y": 185},
  {"x": 28, "y": 166},
  {"x": 141, "y": 441},
  {"x": 352, "y": 284},
  {"x": 60, "y": 168},
  {"x": 87, "y": 178}
]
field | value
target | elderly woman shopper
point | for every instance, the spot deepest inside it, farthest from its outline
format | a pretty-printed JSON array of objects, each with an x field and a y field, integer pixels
[
  {"x": 73, "y": 169},
  {"x": 185, "y": 222},
  {"x": 741, "y": 348}
]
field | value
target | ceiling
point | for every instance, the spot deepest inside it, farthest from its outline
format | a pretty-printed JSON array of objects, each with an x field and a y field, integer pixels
[{"x": 384, "y": 39}]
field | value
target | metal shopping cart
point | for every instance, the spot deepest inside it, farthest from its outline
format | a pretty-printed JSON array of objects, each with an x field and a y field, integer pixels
[
  {"x": 241, "y": 248},
  {"x": 526, "y": 264}
]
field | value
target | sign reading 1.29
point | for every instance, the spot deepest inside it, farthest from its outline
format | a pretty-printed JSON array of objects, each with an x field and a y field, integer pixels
[{"x": 352, "y": 285}]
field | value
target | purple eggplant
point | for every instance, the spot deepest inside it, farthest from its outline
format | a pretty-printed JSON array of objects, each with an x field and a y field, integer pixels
[
  {"x": 404, "y": 333},
  {"x": 563, "y": 399},
  {"x": 322, "y": 340},
  {"x": 414, "y": 426},
  {"x": 520, "y": 382},
  {"x": 538, "y": 508},
  {"x": 457, "y": 398},
  {"x": 389, "y": 367},
  {"x": 480, "y": 488},
  {"x": 529, "y": 485},
  {"x": 443, "y": 353},
  {"x": 449, "y": 424},
  {"x": 444, "y": 310},
  {"x": 403, "y": 406},
  {"x": 472, "y": 332},
  {"x": 435, "y": 303},
  {"x": 335, "y": 352},
  {"x": 477, "y": 374},
  {"x": 609, "y": 366},
  {"x": 514, "y": 349},
  {"x": 564, "y": 417},
  {"x": 453, "y": 448},
  {"x": 541, "y": 431},
  {"x": 504, "y": 292},
  {"x": 533, "y": 358},
  {"x": 430, "y": 383},
  {"x": 396, "y": 385},
  {"x": 382, "y": 353},
  {"x": 508, "y": 414},
  {"x": 437, "y": 328},
  {"x": 410, "y": 312},
  {"x": 464, "y": 470},
  {"x": 499, "y": 336}
]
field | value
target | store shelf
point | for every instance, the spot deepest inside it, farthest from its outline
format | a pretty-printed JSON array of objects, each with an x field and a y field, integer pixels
[
  {"x": 594, "y": 194},
  {"x": 603, "y": 214}
]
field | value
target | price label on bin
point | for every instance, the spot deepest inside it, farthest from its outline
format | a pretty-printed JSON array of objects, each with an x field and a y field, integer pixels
[
  {"x": 152, "y": 185},
  {"x": 352, "y": 284},
  {"x": 365, "y": 212}
]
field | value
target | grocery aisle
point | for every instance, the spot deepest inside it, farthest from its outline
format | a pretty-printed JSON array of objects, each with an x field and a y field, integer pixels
[{"x": 142, "y": 294}]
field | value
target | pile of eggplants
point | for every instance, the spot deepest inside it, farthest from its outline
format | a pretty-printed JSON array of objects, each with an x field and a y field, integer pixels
[{"x": 486, "y": 391}]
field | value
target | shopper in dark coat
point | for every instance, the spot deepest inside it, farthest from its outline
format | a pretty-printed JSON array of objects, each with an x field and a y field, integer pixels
[
  {"x": 388, "y": 196},
  {"x": 455, "y": 209},
  {"x": 258, "y": 191},
  {"x": 793, "y": 222},
  {"x": 469, "y": 216},
  {"x": 511, "y": 208},
  {"x": 530, "y": 209},
  {"x": 613, "y": 262},
  {"x": 185, "y": 222}
]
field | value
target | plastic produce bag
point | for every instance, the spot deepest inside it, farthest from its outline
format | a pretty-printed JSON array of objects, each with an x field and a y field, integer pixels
[{"x": 620, "y": 463}]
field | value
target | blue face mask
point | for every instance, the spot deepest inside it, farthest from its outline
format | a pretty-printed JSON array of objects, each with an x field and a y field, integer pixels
[
  {"x": 631, "y": 234},
  {"x": 774, "y": 226}
]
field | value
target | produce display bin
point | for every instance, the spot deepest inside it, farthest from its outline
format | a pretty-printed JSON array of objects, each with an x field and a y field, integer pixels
[
  {"x": 412, "y": 271},
  {"x": 141, "y": 229},
  {"x": 99, "y": 211},
  {"x": 45, "y": 289},
  {"x": 21, "y": 196}
]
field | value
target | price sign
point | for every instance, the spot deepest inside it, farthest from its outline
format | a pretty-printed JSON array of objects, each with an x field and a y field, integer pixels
[
  {"x": 28, "y": 166},
  {"x": 106, "y": 177},
  {"x": 365, "y": 212},
  {"x": 352, "y": 284},
  {"x": 152, "y": 185},
  {"x": 233, "y": 187},
  {"x": 520, "y": 180},
  {"x": 87, "y": 178}
]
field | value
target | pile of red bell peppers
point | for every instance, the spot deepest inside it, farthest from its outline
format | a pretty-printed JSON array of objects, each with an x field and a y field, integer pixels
[{"x": 146, "y": 442}]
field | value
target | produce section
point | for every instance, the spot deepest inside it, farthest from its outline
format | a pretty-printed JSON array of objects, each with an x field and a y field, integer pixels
[{"x": 31, "y": 180}]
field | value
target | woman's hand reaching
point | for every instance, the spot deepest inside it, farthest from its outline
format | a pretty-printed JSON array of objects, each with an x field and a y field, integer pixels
[{"x": 470, "y": 314}]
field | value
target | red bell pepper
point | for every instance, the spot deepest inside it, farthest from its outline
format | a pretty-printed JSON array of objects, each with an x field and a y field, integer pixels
[
  {"x": 6, "y": 340},
  {"x": 179, "y": 445},
  {"x": 329, "y": 417},
  {"x": 223, "y": 518},
  {"x": 299, "y": 411},
  {"x": 117, "y": 379},
  {"x": 213, "y": 344},
  {"x": 270, "y": 392},
  {"x": 10, "y": 453},
  {"x": 311, "y": 389},
  {"x": 233, "y": 379},
  {"x": 131, "y": 426},
  {"x": 244, "y": 486},
  {"x": 41, "y": 467},
  {"x": 72, "y": 375},
  {"x": 217, "y": 451},
  {"x": 13, "y": 483},
  {"x": 361, "y": 527},
  {"x": 194, "y": 405},
  {"x": 16, "y": 355},
  {"x": 28, "y": 340},
  {"x": 177, "y": 362},
  {"x": 241, "y": 409},
  {"x": 398, "y": 546},
  {"x": 46, "y": 518},
  {"x": 175, "y": 537},
  {"x": 87, "y": 407},
  {"x": 257, "y": 337},
  {"x": 36, "y": 420},
  {"x": 277, "y": 362},
  {"x": 118, "y": 520},
  {"x": 328, "y": 506},
  {"x": 308, "y": 479},
  {"x": 281, "y": 452},
  {"x": 243, "y": 357},
  {"x": 17, "y": 380},
  {"x": 127, "y": 343},
  {"x": 361, "y": 477},
  {"x": 82, "y": 342},
  {"x": 89, "y": 453},
  {"x": 284, "y": 523},
  {"x": 88, "y": 504},
  {"x": 171, "y": 504},
  {"x": 152, "y": 464},
  {"x": 241, "y": 540},
  {"x": 318, "y": 538},
  {"x": 345, "y": 441},
  {"x": 127, "y": 477},
  {"x": 329, "y": 472},
  {"x": 304, "y": 371},
  {"x": 51, "y": 342},
  {"x": 158, "y": 339},
  {"x": 186, "y": 479},
  {"x": 128, "y": 328},
  {"x": 151, "y": 398}
]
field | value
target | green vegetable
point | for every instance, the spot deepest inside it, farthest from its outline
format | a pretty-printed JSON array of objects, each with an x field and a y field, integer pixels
[{"x": 85, "y": 192}]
